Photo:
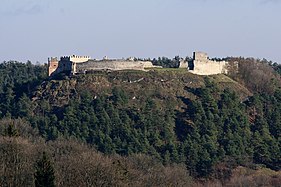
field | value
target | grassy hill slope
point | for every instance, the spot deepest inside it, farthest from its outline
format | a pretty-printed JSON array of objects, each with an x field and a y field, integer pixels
[{"x": 160, "y": 85}]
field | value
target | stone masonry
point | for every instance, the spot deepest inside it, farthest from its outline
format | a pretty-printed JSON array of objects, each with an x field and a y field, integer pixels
[
  {"x": 82, "y": 64},
  {"x": 201, "y": 65},
  {"x": 53, "y": 64}
]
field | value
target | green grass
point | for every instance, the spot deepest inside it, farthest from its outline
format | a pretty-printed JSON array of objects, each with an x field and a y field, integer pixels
[
  {"x": 222, "y": 78},
  {"x": 167, "y": 69}
]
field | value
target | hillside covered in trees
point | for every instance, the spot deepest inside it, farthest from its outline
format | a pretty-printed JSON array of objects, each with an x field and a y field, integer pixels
[{"x": 162, "y": 127}]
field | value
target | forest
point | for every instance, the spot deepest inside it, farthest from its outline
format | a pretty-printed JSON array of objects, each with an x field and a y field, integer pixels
[{"x": 109, "y": 137}]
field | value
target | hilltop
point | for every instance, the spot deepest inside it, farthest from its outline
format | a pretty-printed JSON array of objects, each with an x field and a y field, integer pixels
[
  {"x": 164, "y": 113},
  {"x": 204, "y": 128},
  {"x": 159, "y": 84}
]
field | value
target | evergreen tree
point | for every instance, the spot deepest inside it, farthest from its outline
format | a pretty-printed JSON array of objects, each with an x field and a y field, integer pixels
[
  {"x": 11, "y": 131},
  {"x": 44, "y": 174},
  {"x": 7, "y": 101},
  {"x": 24, "y": 106}
]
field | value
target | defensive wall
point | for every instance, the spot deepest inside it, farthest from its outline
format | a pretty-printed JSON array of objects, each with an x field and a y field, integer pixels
[
  {"x": 81, "y": 64},
  {"x": 183, "y": 63},
  {"x": 202, "y": 65},
  {"x": 75, "y": 58},
  {"x": 53, "y": 64},
  {"x": 111, "y": 65}
]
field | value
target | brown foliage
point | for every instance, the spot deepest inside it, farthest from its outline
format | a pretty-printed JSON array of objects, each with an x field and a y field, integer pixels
[
  {"x": 83, "y": 166},
  {"x": 146, "y": 171},
  {"x": 248, "y": 177},
  {"x": 77, "y": 164},
  {"x": 256, "y": 75},
  {"x": 18, "y": 152},
  {"x": 16, "y": 161},
  {"x": 22, "y": 127},
  {"x": 242, "y": 176}
]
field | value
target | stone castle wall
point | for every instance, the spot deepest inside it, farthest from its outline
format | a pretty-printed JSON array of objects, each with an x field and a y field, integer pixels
[
  {"x": 209, "y": 67},
  {"x": 183, "y": 64},
  {"x": 53, "y": 64},
  {"x": 111, "y": 65},
  {"x": 75, "y": 58},
  {"x": 81, "y": 64},
  {"x": 201, "y": 65}
]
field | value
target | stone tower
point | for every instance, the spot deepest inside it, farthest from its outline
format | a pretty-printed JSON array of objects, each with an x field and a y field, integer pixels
[
  {"x": 53, "y": 64},
  {"x": 202, "y": 65}
]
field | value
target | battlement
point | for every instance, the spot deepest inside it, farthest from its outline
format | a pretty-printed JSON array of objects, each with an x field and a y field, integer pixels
[
  {"x": 75, "y": 58},
  {"x": 200, "y": 64},
  {"x": 81, "y": 64}
]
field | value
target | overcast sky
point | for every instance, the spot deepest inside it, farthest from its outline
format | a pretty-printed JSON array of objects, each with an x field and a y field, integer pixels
[{"x": 37, "y": 29}]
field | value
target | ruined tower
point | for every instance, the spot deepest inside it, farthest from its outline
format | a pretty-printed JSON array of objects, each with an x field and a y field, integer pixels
[
  {"x": 53, "y": 64},
  {"x": 202, "y": 65}
]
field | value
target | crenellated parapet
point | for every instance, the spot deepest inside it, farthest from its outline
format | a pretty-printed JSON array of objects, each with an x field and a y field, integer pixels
[
  {"x": 75, "y": 58},
  {"x": 200, "y": 64},
  {"x": 80, "y": 64}
]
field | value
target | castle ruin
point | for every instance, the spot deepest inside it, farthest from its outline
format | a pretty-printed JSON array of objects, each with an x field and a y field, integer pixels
[
  {"x": 200, "y": 64},
  {"x": 82, "y": 64}
]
